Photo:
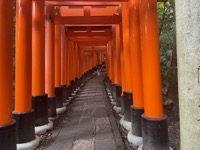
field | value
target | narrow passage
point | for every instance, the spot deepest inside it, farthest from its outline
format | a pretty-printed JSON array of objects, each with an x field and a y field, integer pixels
[{"x": 90, "y": 124}]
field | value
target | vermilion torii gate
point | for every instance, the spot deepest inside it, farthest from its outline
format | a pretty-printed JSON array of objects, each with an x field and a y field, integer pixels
[{"x": 53, "y": 57}]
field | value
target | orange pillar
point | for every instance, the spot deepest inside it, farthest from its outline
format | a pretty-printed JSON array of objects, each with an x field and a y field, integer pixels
[
  {"x": 23, "y": 102},
  {"x": 63, "y": 63},
  {"x": 70, "y": 60},
  {"x": 118, "y": 57},
  {"x": 127, "y": 91},
  {"x": 23, "y": 74},
  {"x": 121, "y": 60},
  {"x": 67, "y": 67},
  {"x": 6, "y": 63},
  {"x": 57, "y": 82},
  {"x": 57, "y": 73},
  {"x": 63, "y": 56},
  {"x": 111, "y": 61},
  {"x": 39, "y": 97},
  {"x": 117, "y": 82},
  {"x": 114, "y": 56},
  {"x": 67, "y": 61},
  {"x": 49, "y": 52},
  {"x": 76, "y": 62},
  {"x": 6, "y": 59},
  {"x": 79, "y": 62},
  {"x": 126, "y": 49},
  {"x": 49, "y": 61},
  {"x": 107, "y": 61},
  {"x": 71, "y": 67},
  {"x": 135, "y": 48},
  {"x": 75, "y": 67},
  {"x": 153, "y": 108},
  {"x": 38, "y": 48},
  {"x": 151, "y": 59}
]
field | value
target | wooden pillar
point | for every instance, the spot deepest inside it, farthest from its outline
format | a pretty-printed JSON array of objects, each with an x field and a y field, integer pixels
[
  {"x": 114, "y": 55},
  {"x": 67, "y": 67},
  {"x": 38, "y": 64},
  {"x": 76, "y": 61},
  {"x": 6, "y": 63},
  {"x": 23, "y": 102},
  {"x": 23, "y": 74},
  {"x": 126, "y": 49},
  {"x": 49, "y": 61},
  {"x": 118, "y": 57},
  {"x": 153, "y": 107},
  {"x": 127, "y": 99},
  {"x": 38, "y": 48},
  {"x": 137, "y": 85},
  {"x": 70, "y": 60},
  {"x": 57, "y": 73},
  {"x": 67, "y": 62},
  {"x": 63, "y": 56},
  {"x": 135, "y": 49},
  {"x": 107, "y": 61},
  {"x": 151, "y": 59},
  {"x": 49, "y": 52},
  {"x": 73, "y": 60},
  {"x": 110, "y": 44},
  {"x": 117, "y": 82},
  {"x": 121, "y": 60},
  {"x": 63, "y": 63},
  {"x": 79, "y": 62}
]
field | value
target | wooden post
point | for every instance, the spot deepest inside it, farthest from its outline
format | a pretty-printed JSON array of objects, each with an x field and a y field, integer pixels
[
  {"x": 63, "y": 56},
  {"x": 57, "y": 83},
  {"x": 63, "y": 63},
  {"x": 6, "y": 63},
  {"x": 135, "y": 51},
  {"x": 23, "y": 113},
  {"x": 49, "y": 61},
  {"x": 117, "y": 82},
  {"x": 153, "y": 107},
  {"x": 39, "y": 98}
]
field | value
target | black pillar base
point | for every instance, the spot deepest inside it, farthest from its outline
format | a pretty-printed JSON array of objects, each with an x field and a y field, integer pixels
[
  {"x": 72, "y": 83},
  {"x": 52, "y": 106},
  {"x": 8, "y": 136},
  {"x": 59, "y": 96},
  {"x": 155, "y": 133},
  {"x": 136, "y": 124},
  {"x": 113, "y": 91},
  {"x": 25, "y": 126},
  {"x": 109, "y": 85},
  {"x": 122, "y": 104},
  {"x": 64, "y": 93},
  {"x": 76, "y": 83},
  {"x": 118, "y": 94},
  {"x": 128, "y": 101},
  {"x": 40, "y": 105},
  {"x": 67, "y": 92}
]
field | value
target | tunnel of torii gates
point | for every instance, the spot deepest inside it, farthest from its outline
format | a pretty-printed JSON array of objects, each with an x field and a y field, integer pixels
[{"x": 58, "y": 45}]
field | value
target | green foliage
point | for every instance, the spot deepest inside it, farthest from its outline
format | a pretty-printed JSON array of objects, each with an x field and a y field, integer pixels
[{"x": 166, "y": 19}]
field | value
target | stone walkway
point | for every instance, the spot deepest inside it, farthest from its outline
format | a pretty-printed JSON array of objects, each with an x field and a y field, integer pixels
[{"x": 90, "y": 124}]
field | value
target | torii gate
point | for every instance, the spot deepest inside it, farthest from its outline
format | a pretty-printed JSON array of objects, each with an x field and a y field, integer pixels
[{"x": 40, "y": 75}]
